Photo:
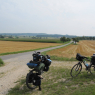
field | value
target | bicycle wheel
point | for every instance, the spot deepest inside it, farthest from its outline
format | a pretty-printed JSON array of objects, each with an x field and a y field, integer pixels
[
  {"x": 92, "y": 69},
  {"x": 76, "y": 69},
  {"x": 30, "y": 80}
]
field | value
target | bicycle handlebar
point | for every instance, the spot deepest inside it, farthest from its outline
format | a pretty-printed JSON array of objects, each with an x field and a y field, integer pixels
[{"x": 87, "y": 58}]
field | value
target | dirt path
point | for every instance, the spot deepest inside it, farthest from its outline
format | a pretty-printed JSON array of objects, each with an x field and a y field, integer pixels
[
  {"x": 10, "y": 73},
  {"x": 14, "y": 69}
]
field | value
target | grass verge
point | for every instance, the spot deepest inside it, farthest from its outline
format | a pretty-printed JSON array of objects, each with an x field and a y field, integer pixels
[
  {"x": 62, "y": 58},
  {"x": 57, "y": 81},
  {"x": 65, "y": 58},
  {"x": 1, "y": 62}
]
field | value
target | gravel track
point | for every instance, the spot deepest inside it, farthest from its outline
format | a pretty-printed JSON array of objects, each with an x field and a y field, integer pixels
[{"x": 15, "y": 68}]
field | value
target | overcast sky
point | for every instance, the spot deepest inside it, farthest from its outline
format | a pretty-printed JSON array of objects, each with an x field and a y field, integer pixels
[{"x": 72, "y": 17}]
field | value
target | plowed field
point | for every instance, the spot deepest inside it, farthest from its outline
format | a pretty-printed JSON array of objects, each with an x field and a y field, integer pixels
[
  {"x": 86, "y": 48},
  {"x": 11, "y": 46}
]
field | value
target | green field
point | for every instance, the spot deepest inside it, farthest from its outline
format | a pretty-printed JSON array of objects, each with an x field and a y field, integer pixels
[{"x": 32, "y": 40}]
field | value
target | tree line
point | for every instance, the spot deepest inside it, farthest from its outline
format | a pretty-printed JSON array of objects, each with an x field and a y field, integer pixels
[
  {"x": 85, "y": 38},
  {"x": 76, "y": 39},
  {"x": 63, "y": 39}
]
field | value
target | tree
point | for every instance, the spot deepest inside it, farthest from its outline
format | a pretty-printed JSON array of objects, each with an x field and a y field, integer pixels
[
  {"x": 68, "y": 39},
  {"x": 1, "y": 36},
  {"x": 75, "y": 40},
  {"x": 63, "y": 39}
]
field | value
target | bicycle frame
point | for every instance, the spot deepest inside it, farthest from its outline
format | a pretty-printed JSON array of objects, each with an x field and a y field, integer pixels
[
  {"x": 87, "y": 67},
  {"x": 84, "y": 62}
]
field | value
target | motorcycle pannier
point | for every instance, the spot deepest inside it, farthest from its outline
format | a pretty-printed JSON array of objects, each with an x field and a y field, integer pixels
[{"x": 47, "y": 62}]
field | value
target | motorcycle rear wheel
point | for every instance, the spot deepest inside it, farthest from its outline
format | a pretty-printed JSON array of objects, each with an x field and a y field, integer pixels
[{"x": 30, "y": 80}]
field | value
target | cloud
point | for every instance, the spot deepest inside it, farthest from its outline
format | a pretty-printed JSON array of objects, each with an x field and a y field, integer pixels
[{"x": 47, "y": 16}]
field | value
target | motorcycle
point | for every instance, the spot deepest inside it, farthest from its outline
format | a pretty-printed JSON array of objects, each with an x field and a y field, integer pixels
[{"x": 39, "y": 64}]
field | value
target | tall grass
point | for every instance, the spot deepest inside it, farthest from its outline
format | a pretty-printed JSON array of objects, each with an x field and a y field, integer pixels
[{"x": 1, "y": 62}]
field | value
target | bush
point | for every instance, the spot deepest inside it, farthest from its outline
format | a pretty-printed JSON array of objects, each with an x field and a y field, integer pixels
[{"x": 1, "y": 62}]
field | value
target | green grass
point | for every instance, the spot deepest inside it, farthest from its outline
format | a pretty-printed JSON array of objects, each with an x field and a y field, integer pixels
[
  {"x": 1, "y": 62},
  {"x": 90, "y": 90},
  {"x": 65, "y": 58},
  {"x": 33, "y": 40},
  {"x": 57, "y": 81},
  {"x": 62, "y": 58}
]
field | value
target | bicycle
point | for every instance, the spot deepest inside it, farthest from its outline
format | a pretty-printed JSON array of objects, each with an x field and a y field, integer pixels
[
  {"x": 33, "y": 78},
  {"x": 76, "y": 69}
]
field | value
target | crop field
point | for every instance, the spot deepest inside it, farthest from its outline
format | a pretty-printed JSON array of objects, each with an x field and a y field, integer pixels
[
  {"x": 11, "y": 46},
  {"x": 86, "y": 48},
  {"x": 49, "y": 40}
]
